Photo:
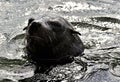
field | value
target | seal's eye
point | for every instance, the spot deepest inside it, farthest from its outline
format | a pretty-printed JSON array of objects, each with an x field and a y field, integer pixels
[
  {"x": 56, "y": 26},
  {"x": 54, "y": 23}
]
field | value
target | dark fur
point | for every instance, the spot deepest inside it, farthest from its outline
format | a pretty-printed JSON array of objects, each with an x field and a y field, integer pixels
[{"x": 52, "y": 41}]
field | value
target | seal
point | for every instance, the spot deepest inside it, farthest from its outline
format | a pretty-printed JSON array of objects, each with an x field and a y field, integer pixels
[{"x": 51, "y": 40}]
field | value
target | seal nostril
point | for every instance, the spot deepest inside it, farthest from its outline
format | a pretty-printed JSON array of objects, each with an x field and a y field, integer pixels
[{"x": 33, "y": 27}]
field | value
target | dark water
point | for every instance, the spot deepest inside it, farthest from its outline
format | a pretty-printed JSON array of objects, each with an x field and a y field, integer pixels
[{"x": 97, "y": 20}]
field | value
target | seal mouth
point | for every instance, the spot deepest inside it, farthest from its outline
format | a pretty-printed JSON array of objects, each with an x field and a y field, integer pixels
[
  {"x": 35, "y": 37},
  {"x": 38, "y": 38}
]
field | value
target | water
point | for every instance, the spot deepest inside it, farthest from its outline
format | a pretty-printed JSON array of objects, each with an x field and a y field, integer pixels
[{"x": 97, "y": 20}]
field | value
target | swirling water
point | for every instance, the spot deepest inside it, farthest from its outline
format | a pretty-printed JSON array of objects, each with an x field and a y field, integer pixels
[{"x": 97, "y": 20}]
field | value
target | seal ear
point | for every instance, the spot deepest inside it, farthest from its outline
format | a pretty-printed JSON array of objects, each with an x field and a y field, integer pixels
[
  {"x": 74, "y": 32},
  {"x": 29, "y": 21}
]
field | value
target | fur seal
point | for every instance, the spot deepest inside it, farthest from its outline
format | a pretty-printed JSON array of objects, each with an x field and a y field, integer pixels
[{"x": 51, "y": 40}]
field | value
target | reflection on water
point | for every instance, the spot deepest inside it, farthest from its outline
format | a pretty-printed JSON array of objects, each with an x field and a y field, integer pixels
[
  {"x": 98, "y": 22},
  {"x": 14, "y": 69}
]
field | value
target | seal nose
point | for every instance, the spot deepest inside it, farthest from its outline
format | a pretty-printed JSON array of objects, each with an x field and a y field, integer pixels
[{"x": 33, "y": 28}]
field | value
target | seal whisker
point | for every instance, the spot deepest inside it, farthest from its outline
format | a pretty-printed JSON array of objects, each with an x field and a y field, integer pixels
[{"x": 35, "y": 37}]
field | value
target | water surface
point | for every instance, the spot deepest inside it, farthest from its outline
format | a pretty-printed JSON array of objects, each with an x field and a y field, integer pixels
[{"x": 97, "y": 20}]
